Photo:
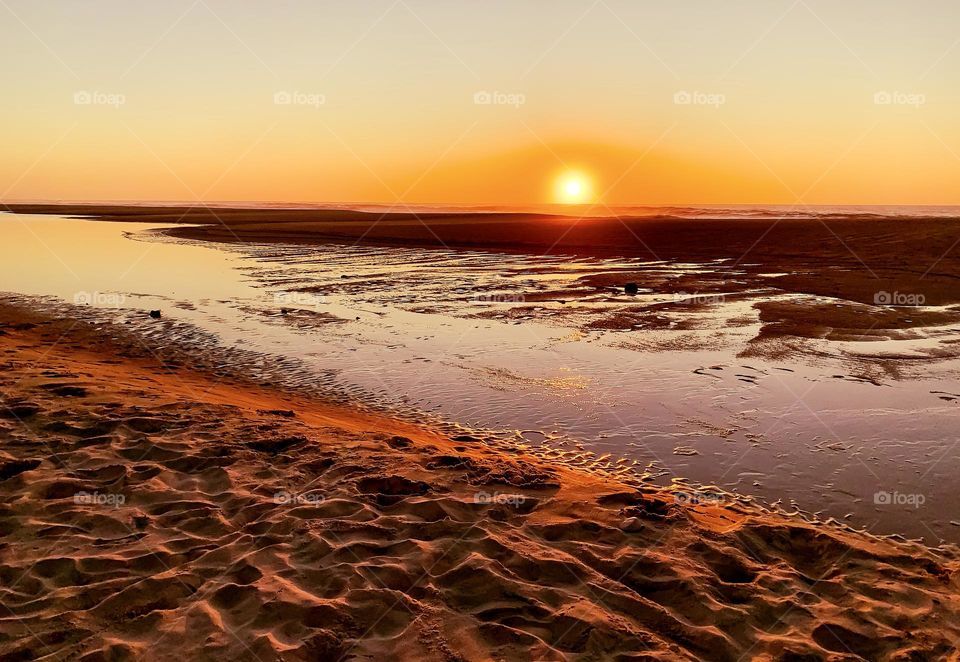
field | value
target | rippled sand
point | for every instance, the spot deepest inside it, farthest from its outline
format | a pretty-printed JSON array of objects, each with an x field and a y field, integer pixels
[{"x": 159, "y": 504}]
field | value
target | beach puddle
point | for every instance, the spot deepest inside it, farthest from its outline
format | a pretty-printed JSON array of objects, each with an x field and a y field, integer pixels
[{"x": 679, "y": 381}]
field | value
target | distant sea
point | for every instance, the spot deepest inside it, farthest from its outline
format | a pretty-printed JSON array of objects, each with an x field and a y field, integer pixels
[{"x": 799, "y": 211}]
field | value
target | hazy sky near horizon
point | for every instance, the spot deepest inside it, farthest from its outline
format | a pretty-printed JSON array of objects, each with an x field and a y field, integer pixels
[{"x": 766, "y": 101}]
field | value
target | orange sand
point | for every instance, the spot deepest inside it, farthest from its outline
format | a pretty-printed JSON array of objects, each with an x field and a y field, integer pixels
[{"x": 260, "y": 525}]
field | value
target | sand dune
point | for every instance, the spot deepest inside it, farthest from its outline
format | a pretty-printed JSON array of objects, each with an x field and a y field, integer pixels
[{"x": 154, "y": 512}]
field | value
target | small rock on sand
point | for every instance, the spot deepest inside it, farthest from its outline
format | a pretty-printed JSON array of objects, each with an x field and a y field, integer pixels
[
  {"x": 685, "y": 450},
  {"x": 155, "y": 314},
  {"x": 632, "y": 525}
]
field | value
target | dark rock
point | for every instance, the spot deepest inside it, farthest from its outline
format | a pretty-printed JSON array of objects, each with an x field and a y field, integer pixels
[
  {"x": 155, "y": 314},
  {"x": 631, "y": 288}
]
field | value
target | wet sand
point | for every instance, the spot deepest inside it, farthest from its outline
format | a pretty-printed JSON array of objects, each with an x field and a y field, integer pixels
[
  {"x": 694, "y": 378},
  {"x": 869, "y": 259},
  {"x": 155, "y": 509},
  {"x": 848, "y": 256}
]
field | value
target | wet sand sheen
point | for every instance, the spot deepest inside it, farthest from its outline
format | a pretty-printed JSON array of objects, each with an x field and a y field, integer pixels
[
  {"x": 149, "y": 500},
  {"x": 598, "y": 392}
]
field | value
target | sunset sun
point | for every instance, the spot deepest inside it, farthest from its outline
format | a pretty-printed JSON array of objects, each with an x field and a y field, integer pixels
[{"x": 573, "y": 188}]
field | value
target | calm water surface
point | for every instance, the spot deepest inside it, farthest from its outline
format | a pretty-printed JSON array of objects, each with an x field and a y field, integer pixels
[{"x": 438, "y": 332}]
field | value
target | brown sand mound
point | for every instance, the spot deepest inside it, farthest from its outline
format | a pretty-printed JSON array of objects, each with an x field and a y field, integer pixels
[{"x": 148, "y": 515}]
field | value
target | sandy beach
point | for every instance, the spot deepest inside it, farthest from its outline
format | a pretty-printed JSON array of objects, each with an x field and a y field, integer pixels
[
  {"x": 155, "y": 510},
  {"x": 479, "y": 332},
  {"x": 715, "y": 372}
]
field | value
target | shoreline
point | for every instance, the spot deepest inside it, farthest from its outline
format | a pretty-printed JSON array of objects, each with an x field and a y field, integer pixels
[
  {"x": 392, "y": 539},
  {"x": 848, "y": 257},
  {"x": 757, "y": 326}
]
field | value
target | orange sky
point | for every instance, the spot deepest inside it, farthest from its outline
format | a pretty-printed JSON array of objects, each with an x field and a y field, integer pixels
[{"x": 467, "y": 102}]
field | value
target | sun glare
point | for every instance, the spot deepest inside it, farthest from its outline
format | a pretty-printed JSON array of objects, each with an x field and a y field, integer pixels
[{"x": 573, "y": 188}]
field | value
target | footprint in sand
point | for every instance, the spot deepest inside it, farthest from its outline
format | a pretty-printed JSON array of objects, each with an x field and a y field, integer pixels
[
  {"x": 944, "y": 395},
  {"x": 700, "y": 371},
  {"x": 858, "y": 378}
]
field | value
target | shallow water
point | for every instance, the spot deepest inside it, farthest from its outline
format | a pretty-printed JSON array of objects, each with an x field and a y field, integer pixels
[{"x": 479, "y": 339}]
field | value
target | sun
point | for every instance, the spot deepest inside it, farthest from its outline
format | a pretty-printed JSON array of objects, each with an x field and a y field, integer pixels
[{"x": 573, "y": 187}]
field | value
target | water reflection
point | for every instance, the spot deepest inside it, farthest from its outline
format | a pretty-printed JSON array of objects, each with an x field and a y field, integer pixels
[{"x": 499, "y": 342}]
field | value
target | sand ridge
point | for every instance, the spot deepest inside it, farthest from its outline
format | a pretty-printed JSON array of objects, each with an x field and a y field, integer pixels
[{"x": 154, "y": 512}]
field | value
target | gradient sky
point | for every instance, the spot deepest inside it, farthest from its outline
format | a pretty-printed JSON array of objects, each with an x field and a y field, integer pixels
[{"x": 785, "y": 100}]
